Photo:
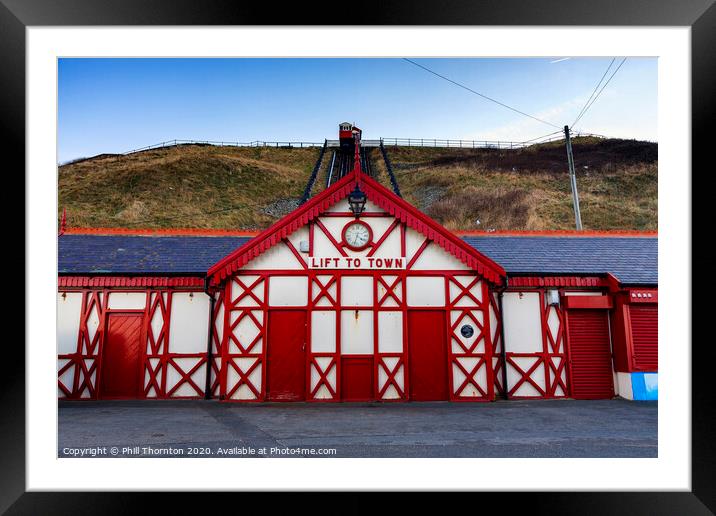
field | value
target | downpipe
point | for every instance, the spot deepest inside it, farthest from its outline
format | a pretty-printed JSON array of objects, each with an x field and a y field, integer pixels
[
  {"x": 209, "y": 355},
  {"x": 503, "y": 348}
]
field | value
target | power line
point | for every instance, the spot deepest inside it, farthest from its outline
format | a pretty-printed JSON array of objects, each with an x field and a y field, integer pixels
[
  {"x": 594, "y": 91},
  {"x": 600, "y": 91},
  {"x": 480, "y": 94},
  {"x": 541, "y": 137}
]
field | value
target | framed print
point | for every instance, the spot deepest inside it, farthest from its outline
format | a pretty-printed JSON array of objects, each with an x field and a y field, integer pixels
[{"x": 394, "y": 299}]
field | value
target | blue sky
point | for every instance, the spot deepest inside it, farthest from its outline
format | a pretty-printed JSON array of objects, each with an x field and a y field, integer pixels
[{"x": 114, "y": 105}]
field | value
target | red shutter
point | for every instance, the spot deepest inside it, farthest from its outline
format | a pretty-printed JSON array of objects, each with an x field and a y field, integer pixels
[
  {"x": 645, "y": 337},
  {"x": 590, "y": 355}
]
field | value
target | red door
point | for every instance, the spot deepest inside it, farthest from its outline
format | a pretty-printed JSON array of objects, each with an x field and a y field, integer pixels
[
  {"x": 590, "y": 355},
  {"x": 121, "y": 357},
  {"x": 357, "y": 378},
  {"x": 427, "y": 348},
  {"x": 645, "y": 337},
  {"x": 286, "y": 356}
]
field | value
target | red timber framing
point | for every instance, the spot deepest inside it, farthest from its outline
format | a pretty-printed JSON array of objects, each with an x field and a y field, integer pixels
[
  {"x": 548, "y": 369},
  {"x": 243, "y": 307},
  {"x": 495, "y": 318},
  {"x": 241, "y": 354},
  {"x": 635, "y": 328},
  {"x": 383, "y": 198},
  {"x": 158, "y": 363}
]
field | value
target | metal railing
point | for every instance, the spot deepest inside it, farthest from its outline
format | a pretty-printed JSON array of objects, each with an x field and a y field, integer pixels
[
  {"x": 256, "y": 143},
  {"x": 399, "y": 142}
]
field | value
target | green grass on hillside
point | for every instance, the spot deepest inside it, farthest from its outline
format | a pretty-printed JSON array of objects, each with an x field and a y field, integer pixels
[
  {"x": 198, "y": 186},
  {"x": 186, "y": 186}
]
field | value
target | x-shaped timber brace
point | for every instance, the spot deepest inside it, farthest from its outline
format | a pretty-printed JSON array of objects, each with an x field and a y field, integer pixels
[
  {"x": 156, "y": 357},
  {"x": 244, "y": 299},
  {"x": 553, "y": 357}
]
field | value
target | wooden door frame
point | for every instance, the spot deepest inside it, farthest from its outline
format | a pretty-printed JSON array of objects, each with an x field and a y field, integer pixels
[
  {"x": 306, "y": 354},
  {"x": 568, "y": 346},
  {"x": 142, "y": 353}
]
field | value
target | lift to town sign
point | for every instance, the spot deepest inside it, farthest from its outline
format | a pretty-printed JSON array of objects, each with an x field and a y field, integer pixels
[{"x": 348, "y": 262}]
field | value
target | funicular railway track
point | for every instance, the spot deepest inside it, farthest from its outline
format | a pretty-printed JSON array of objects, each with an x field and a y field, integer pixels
[{"x": 340, "y": 160}]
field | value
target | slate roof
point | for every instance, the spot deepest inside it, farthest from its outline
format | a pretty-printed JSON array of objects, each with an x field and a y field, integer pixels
[{"x": 633, "y": 260}]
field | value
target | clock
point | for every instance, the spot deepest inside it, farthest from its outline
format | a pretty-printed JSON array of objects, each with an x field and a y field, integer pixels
[{"x": 357, "y": 235}]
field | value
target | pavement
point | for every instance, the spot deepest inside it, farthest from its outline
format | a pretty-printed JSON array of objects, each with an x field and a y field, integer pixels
[{"x": 201, "y": 428}]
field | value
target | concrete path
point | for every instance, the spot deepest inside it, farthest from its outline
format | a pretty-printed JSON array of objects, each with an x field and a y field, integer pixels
[{"x": 554, "y": 428}]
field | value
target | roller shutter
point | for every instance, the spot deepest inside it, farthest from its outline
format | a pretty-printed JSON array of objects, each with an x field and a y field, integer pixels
[
  {"x": 590, "y": 354},
  {"x": 645, "y": 337}
]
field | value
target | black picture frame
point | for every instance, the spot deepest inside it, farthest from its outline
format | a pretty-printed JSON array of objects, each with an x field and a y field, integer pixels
[{"x": 700, "y": 15}]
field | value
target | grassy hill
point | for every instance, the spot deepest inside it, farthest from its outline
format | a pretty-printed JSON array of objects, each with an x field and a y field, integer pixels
[{"x": 199, "y": 186}]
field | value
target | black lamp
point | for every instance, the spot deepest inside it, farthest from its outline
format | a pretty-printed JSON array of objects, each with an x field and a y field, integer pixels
[{"x": 357, "y": 199}]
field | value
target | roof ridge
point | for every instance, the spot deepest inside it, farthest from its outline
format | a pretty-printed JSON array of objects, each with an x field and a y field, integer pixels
[
  {"x": 378, "y": 194},
  {"x": 161, "y": 231},
  {"x": 252, "y": 233},
  {"x": 560, "y": 232}
]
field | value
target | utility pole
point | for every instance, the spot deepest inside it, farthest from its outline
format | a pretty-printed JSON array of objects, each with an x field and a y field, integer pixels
[{"x": 573, "y": 180}]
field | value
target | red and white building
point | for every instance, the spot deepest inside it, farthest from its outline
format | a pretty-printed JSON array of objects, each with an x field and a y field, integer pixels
[{"x": 325, "y": 306}]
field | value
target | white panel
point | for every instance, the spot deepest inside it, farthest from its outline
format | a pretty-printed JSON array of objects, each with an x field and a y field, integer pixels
[
  {"x": 156, "y": 325},
  {"x": 174, "y": 377},
  {"x": 127, "y": 300},
  {"x": 288, "y": 290},
  {"x": 357, "y": 291},
  {"x": 324, "y": 300},
  {"x": 217, "y": 362},
  {"x": 323, "y": 392},
  {"x": 397, "y": 291},
  {"x": 343, "y": 206},
  {"x": 67, "y": 378},
  {"x": 246, "y": 331},
  {"x": 276, "y": 258},
  {"x": 435, "y": 257},
  {"x": 357, "y": 332},
  {"x": 426, "y": 291},
  {"x": 413, "y": 241},
  {"x": 322, "y": 246},
  {"x": 390, "y": 332},
  {"x": 334, "y": 225},
  {"x": 496, "y": 337},
  {"x": 93, "y": 324},
  {"x": 323, "y": 331},
  {"x": 219, "y": 326},
  {"x": 379, "y": 225},
  {"x": 480, "y": 377},
  {"x": 390, "y": 248},
  {"x": 514, "y": 376},
  {"x": 553, "y": 325},
  {"x": 248, "y": 300},
  {"x": 583, "y": 293},
  {"x": 526, "y": 389},
  {"x": 467, "y": 342},
  {"x": 537, "y": 375},
  {"x": 296, "y": 237},
  {"x": 522, "y": 319},
  {"x": 623, "y": 385},
  {"x": 189, "y": 323},
  {"x": 68, "y": 321},
  {"x": 152, "y": 393},
  {"x": 465, "y": 300},
  {"x": 391, "y": 392},
  {"x": 244, "y": 392}
]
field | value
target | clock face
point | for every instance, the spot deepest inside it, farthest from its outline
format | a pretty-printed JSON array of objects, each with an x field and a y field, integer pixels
[{"x": 356, "y": 235}]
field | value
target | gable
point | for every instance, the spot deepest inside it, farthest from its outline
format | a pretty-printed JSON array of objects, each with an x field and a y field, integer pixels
[{"x": 386, "y": 212}]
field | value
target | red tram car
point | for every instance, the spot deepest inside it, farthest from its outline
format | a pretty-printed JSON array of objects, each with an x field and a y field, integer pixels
[{"x": 348, "y": 134}]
